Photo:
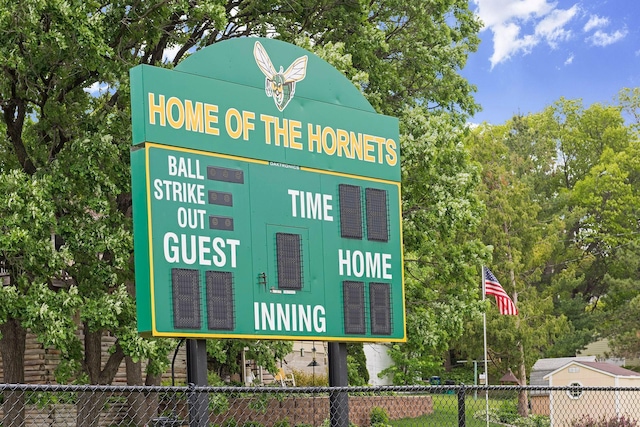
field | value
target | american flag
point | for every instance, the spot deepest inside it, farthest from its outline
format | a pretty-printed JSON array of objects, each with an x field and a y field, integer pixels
[{"x": 493, "y": 287}]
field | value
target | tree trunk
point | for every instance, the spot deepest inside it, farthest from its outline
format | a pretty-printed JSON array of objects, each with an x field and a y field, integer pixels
[
  {"x": 523, "y": 398},
  {"x": 90, "y": 404},
  {"x": 142, "y": 406},
  {"x": 12, "y": 346}
]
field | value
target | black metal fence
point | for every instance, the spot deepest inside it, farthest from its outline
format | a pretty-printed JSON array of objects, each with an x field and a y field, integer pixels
[{"x": 455, "y": 405}]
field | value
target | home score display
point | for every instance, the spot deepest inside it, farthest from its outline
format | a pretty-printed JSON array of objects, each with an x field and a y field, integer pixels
[{"x": 230, "y": 245}]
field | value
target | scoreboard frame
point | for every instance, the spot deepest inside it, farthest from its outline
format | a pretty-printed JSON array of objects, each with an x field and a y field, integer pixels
[{"x": 279, "y": 239}]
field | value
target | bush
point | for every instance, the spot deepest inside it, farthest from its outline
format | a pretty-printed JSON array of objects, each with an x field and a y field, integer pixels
[
  {"x": 508, "y": 411},
  {"x": 282, "y": 423},
  {"x": 357, "y": 365},
  {"x": 230, "y": 422},
  {"x": 327, "y": 423},
  {"x": 303, "y": 379},
  {"x": 533, "y": 421},
  {"x": 252, "y": 424},
  {"x": 379, "y": 415},
  {"x": 460, "y": 375},
  {"x": 260, "y": 403},
  {"x": 218, "y": 403},
  {"x": 482, "y": 415},
  {"x": 588, "y": 421}
]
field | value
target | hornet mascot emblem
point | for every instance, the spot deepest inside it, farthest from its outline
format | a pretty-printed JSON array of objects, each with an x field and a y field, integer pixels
[{"x": 279, "y": 85}]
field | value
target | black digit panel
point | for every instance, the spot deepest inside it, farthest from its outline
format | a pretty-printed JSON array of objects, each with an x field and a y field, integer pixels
[
  {"x": 235, "y": 176},
  {"x": 353, "y": 304},
  {"x": 380, "y": 308},
  {"x": 220, "y": 198},
  {"x": 350, "y": 211},
  {"x": 186, "y": 298},
  {"x": 220, "y": 314},
  {"x": 289, "y": 260},
  {"x": 217, "y": 222},
  {"x": 377, "y": 222}
]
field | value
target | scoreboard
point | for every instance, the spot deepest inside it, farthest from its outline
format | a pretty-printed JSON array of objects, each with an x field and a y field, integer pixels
[{"x": 232, "y": 245}]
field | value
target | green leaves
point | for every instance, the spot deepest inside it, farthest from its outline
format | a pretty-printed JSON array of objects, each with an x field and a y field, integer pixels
[
  {"x": 226, "y": 355},
  {"x": 26, "y": 230},
  {"x": 50, "y": 315},
  {"x": 440, "y": 208}
]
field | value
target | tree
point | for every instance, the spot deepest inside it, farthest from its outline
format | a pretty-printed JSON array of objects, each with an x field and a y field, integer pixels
[
  {"x": 513, "y": 173},
  {"x": 629, "y": 100},
  {"x": 31, "y": 265},
  {"x": 439, "y": 207},
  {"x": 609, "y": 198},
  {"x": 560, "y": 189}
]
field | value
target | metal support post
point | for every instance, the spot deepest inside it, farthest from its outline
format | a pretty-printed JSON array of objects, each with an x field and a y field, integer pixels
[
  {"x": 197, "y": 376},
  {"x": 338, "y": 400},
  {"x": 462, "y": 422}
]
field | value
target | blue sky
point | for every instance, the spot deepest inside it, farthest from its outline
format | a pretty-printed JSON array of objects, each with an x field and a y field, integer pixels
[{"x": 535, "y": 51}]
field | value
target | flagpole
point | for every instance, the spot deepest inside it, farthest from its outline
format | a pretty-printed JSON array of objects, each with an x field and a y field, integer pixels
[{"x": 486, "y": 363}]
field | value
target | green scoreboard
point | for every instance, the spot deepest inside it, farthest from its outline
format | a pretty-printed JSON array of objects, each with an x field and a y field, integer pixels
[{"x": 266, "y": 203}]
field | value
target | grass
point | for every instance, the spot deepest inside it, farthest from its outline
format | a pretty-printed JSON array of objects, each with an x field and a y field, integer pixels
[{"x": 445, "y": 413}]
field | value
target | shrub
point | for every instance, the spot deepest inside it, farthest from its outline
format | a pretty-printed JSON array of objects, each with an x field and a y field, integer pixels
[
  {"x": 494, "y": 417},
  {"x": 214, "y": 380},
  {"x": 379, "y": 415},
  {"x": 252, "y": 424},
  {"x": 327, "y": 423},
  {"x": 303, "y": 379},
  {"x": 230, "y": 422},
  {"x": 260, "y": 404},
  {"x": 282, "y": 423},
  {"x": 357, "y": 365},
  {"x": 588, "y": 421},
  {"x": 218, "y": 403},
  {"x": 533, "y": 421},
  {"x": 508, "y": 411},
  {"x": 499, "y": 416}
]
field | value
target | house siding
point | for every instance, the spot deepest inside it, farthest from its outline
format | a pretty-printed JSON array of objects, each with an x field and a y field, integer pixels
[{"x": 564, "y": 408}]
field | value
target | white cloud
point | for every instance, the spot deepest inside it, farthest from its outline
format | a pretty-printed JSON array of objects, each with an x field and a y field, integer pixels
[
  {"x": 170, "y": 53},
  {"x": 506, "y": 43},
  {"x": 552, "y": 27},
  {"x": 97, "y": 88},
  {"x": 602, "y": 39},
  {"x": 569, "y": 60},
  {"x": 507, "y": 18},
  {"x": 595, "y": 21},
  {"x": 499, "y": 12}
]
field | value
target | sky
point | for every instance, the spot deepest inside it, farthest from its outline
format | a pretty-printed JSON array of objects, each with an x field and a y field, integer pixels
[{"x": 535, "y": 51}]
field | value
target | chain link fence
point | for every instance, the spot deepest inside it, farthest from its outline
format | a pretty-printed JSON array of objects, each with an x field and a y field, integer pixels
[{"x": 455, "y": 405}]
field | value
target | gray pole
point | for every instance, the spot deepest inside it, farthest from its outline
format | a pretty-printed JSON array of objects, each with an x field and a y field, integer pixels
[
  {"x": 338, "y": 400},
  {"x": 462, "y": 420},
  {"x": 475, "y": 379},
  {"x": 197, "y": 376}
]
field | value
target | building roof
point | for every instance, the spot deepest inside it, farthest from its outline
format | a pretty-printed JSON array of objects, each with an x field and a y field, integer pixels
[
  {"x": 542, "y": 367},
  {"x": 602, "y": 367},
  {"x": 509, "y": 377},
  {"x": 554, "y": 363}
]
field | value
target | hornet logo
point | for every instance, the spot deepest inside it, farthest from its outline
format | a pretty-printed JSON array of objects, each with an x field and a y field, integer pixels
[{"x": 279, "y": 85}]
